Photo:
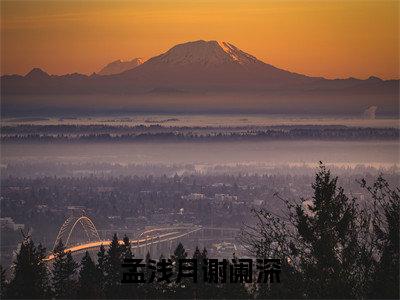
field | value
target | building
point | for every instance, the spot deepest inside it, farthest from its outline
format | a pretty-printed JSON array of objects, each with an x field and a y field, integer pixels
[
  {"x": 194, "y": 196},
  {"x": 225, "y": 198}
]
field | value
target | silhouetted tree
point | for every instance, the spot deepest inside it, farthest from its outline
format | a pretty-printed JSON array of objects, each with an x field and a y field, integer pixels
[
  {"x": 149, "y": 290},
  {"x": 230, "y": 290},
  {"x": 386, "y": 210},
  {"x": 163, "y": 289},
  {"x": 64, "y": 273},
  {"x": 30, "y": 280},
  {"x": 196, "y": 253},
  {"x": 318, "y": 241},
  {"x": 129, "y": 290},
  {"x": 88, "y": 282},
  {"x": 113, "y": 268},
  {"x": 179, "y": 253},
  {"x": 3, "y": 283},
  {"x": 126, "y": 248},
  {"x": 328, "y": 231},
  {"x": 203, "y": 289},
  {"x": 101, "y": 268}
]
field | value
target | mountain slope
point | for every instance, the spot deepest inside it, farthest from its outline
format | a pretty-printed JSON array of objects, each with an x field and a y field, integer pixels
[
  {"x": 199, "y": 66},
  {"x": 209, "y": 64},
  {"x": 202, "y": 74},
  {"x": 37, "y": 73},
  {"x": 120, "y": 66}
]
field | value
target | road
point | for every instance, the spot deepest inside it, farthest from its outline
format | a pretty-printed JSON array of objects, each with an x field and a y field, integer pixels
[{"x": 138, "y": 243}]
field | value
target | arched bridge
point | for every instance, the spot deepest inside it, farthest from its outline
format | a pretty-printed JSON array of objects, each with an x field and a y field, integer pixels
[
  {"x": 145, "y": 240},
  {"x": 67, "y": 228}
]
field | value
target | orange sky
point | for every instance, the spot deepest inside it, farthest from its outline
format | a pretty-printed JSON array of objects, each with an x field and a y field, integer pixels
[{"x": 334, "y": 39}]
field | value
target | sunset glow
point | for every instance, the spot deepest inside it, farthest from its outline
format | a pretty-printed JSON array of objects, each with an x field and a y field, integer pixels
[{"x": 333, "y": 39}]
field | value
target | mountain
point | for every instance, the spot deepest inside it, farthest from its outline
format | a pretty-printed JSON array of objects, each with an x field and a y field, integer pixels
[
  {"x": 203, "y": 75},
  {"x": 209, "y": 65},
  {"x": 37, "y": 73},
  {"x": 120, "y": 66}
]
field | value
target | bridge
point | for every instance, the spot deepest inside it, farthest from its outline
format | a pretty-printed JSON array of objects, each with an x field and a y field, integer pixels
[{"x": 145, "y": 241}]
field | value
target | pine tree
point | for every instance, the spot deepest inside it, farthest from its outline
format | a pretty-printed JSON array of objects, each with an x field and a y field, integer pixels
[
  {"x": 196, "y": 253},
  {"x": 126, "y": 248},
  {"x": 64, "y": 273},
  {"x": 319, "y": 242},
  {"x": 179, "y": 253},
  {"x": 229, "y": 290},
  {"x": 186, "y": 288},
  {"x": 147, "y": 259},
  {"x": 149, "y": 290},
  {"x": 88, "y": 282},
  {"x": 128, "y": 290},
  {"x": 163, "y": 289},
  {"x": 200, "y": 290},
  {"x": 3, "y": 283},
  {"x": 203, "y": 260},
  {"x": 113, "y": 268},
  {"x": 385, "y": 280},
  {"x": 101, "y": 268},
  {"x": 30, "y": 280},
  {"x": 328, "y": 230}
]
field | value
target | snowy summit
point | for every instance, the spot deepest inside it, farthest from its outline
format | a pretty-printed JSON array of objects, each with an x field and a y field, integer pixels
[{"x": 206, "y": 53}]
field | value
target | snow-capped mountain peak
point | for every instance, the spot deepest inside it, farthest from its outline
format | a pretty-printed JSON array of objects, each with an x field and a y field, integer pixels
[{"x": 205, "y": 53}]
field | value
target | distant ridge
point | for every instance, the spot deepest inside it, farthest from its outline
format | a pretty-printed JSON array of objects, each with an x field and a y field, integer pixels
[
  {"x": 192, "y": 66},
  {"x": 207, "y": 69}
]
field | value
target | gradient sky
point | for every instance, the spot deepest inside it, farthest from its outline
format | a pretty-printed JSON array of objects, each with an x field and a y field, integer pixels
[{"x": 334, "y": 39}]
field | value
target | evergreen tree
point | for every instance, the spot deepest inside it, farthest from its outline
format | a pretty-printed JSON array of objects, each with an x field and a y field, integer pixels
[
  {"x": 290, "y": 286},
  {"x": 113, "y": 268},
  {"x": 319, "y": 242},
  {"x": 30, "y": 280},
  {"x": 328, "y": 231},
  {"x": 147, "y": 261},
  {"x": 164, "y": 289},
  {"x": 101, "y": 268},
  {"x": 202, "y": 289},
  {"x": 126, "y": 248},
  {"x": 229, "y": 290},
  {"x": 385, "y": 280},
  {"x": 64, "y": 273},
  {"x": 128, "y": 290},
  {"x": 179, "y": 253},
  {"x": 149, "y": 290},
  {"x": 196, "y": 253},
  {"x": 3, "y": 283},
  {"x": 186, "y": 288},
  {"x": 88, "y": 282}
]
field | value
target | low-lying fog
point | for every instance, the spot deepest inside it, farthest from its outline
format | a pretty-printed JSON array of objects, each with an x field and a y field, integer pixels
[
  {"x": 210, "y": 120},
  {"x": 341, "y": 153}
]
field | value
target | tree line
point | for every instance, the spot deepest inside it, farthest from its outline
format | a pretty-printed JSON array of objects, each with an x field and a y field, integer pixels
[
  {"x": 331, "y": 246},
  {"x": 318, "y": 133},
  {"x": 33, "y": 278}
]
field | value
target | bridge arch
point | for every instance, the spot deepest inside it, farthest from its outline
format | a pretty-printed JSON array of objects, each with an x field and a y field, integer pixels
[{"x": 69, "y": 225}]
